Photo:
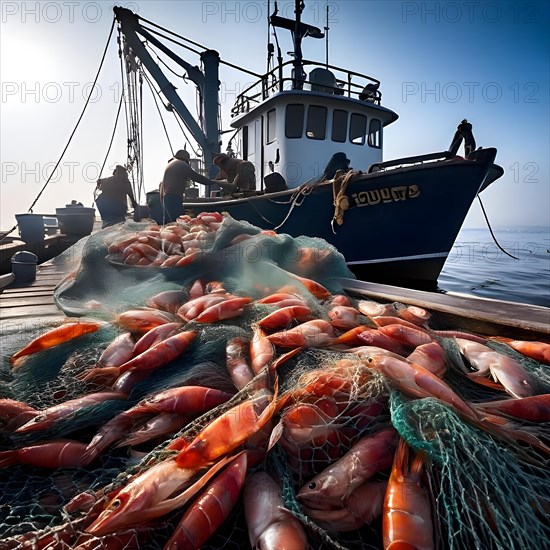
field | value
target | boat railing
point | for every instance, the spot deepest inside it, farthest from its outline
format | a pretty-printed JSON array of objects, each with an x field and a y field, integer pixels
[{"x": 323, "y": 78}]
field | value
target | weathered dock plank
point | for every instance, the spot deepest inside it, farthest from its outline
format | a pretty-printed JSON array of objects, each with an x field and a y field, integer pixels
[{"x": 471, "y": 313}]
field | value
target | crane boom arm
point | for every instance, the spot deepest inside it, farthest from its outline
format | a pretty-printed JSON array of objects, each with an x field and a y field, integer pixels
[{"x": 130, "y": 28}]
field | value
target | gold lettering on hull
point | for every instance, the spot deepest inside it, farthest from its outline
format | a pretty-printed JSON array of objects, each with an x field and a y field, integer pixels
[{"x": 398, "y": 193}]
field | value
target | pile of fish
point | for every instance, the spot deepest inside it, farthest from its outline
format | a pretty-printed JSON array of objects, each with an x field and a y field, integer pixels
[
  {"x": 173, "y": 245},
  {"x": 309, "y": 383}
]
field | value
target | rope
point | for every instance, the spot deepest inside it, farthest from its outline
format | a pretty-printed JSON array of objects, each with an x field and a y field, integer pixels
[
  {"x": 491, "y": 230},
  {"x": 233, "y": 66},
  {"x": 341, "y": 201},
  {"x": 112, "y": 137},
  {"x": 302, "y": 193},
  {"x": 154, "y": 93},
  {"x": 73, "y": 132}
]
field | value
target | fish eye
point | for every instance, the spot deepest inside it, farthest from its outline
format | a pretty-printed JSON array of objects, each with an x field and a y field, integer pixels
[
  {"x": 312, "y": 485},
  {"x": 116, "y": 503},
  {"x": 370, "y": 359},
  {"x": 38, "y": 418}
]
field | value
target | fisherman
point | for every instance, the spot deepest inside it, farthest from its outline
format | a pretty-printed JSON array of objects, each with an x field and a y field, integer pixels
[
  {"x": 240, "y": 173},
  {"x": 177, "y": 175},
  {"x": 112, "y": 202}
]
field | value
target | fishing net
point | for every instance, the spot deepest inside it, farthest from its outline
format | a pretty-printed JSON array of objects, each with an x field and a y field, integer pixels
[
  {"x": 487, "y": 492},
  {"x": 486, "y": 496}
]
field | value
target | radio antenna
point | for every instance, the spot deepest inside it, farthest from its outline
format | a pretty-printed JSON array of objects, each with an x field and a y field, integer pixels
[{"x": 326, "y": 38}]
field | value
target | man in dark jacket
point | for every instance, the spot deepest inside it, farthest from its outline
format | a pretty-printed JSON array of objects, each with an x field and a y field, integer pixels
[{"x": 112, "y": 202}]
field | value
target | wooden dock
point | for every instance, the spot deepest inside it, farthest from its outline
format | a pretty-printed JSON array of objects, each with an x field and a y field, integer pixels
[
  {"x": 464, "y": 312},
  {"x": 49, "y": 248}
]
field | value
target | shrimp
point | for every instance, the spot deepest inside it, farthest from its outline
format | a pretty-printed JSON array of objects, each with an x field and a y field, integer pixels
[
  {"x": 236, "y": 359},
  {"x": 270, "y": 526},
  {"x": 230, "y": 429},
  {"x": 229, "y": 308},
  {"x": 150, "y": 494},
  {"x": 416, "y": 381},
  {"x": 364, "y": 505},
  {"x": 539, "y": 351},
  {"x": 535, "y": 408},
  {"x": 340, "y": 300},
  {"x": 152, "y": 358},
  {"x": 305, "y": 425},
  {"x": 416, "y": 315},
  {"x": 374, "y": 309},
  {"x": 182, "y": 401},
  {"x": 407, "y": 514},
  {"x": 208, "y": 512},
  {"x": 169, "y": 300},
  {"x": 431, "y": 356},
  {"x": 375, "y": 337},
  {"x": 344, "y": 317},
  {"x": 160, "y": 425},
  {"x": 408, "y": 335},
  {"x": 143, "y": 320},
  {"x": 59, "y": 453},
  {"x": 282, "y": 299},
  {"x": 334, "y": 485},
  {"x": 193, "y": 308},
  {"x": 47, "y": 417},
  {"x": 513, "y": 377},
  {"x": 309, "y": 334},
  {"x": 120, "y": 350},
  {"x": 15, "y": 413},
  {"x": 56, "y": 336},
  {"x": 283, "y": 317},
  {"x": 153, "y": 337},
  {"x": 261, "y": 350},
  {"x": 318, "y": 290}
]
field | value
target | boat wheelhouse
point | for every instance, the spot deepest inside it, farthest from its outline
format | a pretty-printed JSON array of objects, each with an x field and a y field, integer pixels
[{"x": 296, "y": 131}]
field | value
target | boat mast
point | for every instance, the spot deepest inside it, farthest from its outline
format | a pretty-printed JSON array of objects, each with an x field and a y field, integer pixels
[
  {"x": 326, "y": 39},
  {"x": 299, "y": 75},
  {"x": 207, "y": 83}
]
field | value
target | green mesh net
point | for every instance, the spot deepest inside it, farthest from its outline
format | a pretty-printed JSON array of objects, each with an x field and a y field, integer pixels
[{"x": 487, "y": 492}]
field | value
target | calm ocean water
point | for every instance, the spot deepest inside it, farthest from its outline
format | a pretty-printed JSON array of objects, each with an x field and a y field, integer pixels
[{"x": 478, "y": 267}]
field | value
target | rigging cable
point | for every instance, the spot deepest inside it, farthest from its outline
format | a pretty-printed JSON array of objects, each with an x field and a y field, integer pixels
[
  {"x": 491, "y": 230},
  {"x": 232, "y": 65},
  {"x": 112, "y": 136},
  {"x": 74, "y": 130},
  {"x": 154, "y": 93}
]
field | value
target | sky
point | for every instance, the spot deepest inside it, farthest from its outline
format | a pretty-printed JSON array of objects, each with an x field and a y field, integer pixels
[{"x": 438, "y": 62}]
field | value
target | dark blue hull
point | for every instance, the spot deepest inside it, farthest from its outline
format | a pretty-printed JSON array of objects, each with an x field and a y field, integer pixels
[{"x": 401, "y": 223}]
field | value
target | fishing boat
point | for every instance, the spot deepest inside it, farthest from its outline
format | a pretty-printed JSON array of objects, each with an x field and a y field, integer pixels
[{"x": 315, "y": 135}]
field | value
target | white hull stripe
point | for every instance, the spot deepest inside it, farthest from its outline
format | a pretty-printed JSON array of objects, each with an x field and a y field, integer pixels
[{"x": 401, "y": 258}]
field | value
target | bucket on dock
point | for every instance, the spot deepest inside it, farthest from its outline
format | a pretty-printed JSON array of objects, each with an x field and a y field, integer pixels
[
  {"x": 31, "y": 227},
  {"x": 75, "y": 220},
  {"x": 23, "y": 266}
]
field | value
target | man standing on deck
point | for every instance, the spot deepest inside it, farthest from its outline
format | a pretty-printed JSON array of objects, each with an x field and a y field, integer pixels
[
  {"x": 112, "y": 203},
  {"x": 177, "y": 174}
]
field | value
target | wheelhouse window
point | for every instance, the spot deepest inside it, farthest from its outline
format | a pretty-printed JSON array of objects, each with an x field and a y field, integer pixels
[
  {"x": 271, "y": 133},
  {"x": 316, "y": 123},
  {"x": 357, "y": 128},
  {"x": 339, "y": 125},
  {"x": 375, "y": 133},
  {"x": 294, "y": 120}
]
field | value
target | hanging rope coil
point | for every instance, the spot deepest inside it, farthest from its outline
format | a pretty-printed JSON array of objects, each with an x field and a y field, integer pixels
[{"x": 341, "y": 201}]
